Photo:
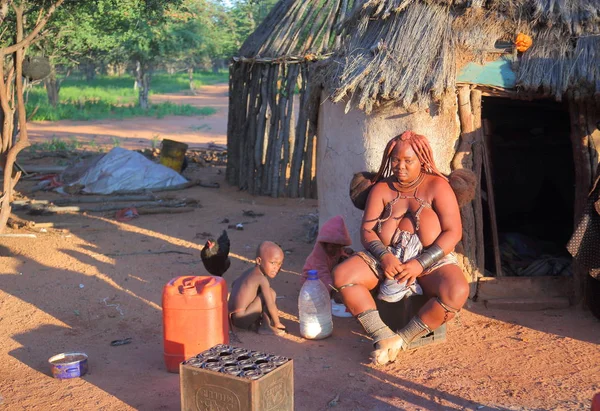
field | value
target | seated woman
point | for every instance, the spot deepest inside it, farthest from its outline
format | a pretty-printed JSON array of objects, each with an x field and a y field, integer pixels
[{"x": 411, "y": 215}]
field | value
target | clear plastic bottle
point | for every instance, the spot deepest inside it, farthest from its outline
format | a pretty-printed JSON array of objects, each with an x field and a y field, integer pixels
[{"x": 314, "y": 309}]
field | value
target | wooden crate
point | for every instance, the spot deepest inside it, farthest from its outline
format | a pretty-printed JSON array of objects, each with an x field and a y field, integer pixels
[{"x": 207, "y": 390}]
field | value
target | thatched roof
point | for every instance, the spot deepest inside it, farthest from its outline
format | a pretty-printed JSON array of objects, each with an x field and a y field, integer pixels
[
  {"x": 410, "y": 50},
  {"x": 296, "y": 28}
]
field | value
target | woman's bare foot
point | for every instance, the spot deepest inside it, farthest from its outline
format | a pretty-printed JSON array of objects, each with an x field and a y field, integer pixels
[{"x": 387, "y": 350}]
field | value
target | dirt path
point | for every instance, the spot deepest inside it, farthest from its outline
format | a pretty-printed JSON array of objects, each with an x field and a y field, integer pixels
[
  {"x": 81, "y": 288},
  {"x": 140, "y": 132}
]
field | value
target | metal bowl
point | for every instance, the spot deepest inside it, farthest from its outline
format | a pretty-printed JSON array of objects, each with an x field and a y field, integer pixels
[{"x": 69, "y": 365}]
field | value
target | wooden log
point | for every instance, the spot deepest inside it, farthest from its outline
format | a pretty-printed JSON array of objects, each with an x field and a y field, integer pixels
[
  {"x": 464, "y": 159},
  {"x": 292, "y": 43},
  {"x": 477, "y": 165},
  {"x": 273, "y": 129},
  {"x": 580, "y": 142},
  {"x": 328, "y": 25},
  {"x": 260, "y": 130},
  {"x": 314, "y": 29},
  {"x": 165, "y": 210},
  {"x": 234, "y": 131},
  {"x": 106, "y": 199},
  {"x": 284, "y": 58},
  {"x": 235, "y": 75},
  {"x": 177, "y": 187},
  {"x": 491, "y": 288},
  {"x": 301, "y": 128},
  {"x": 286, "y": 129},
  {"x": 592, "y": 116},
  {"x": 309, "y": 187},
  {"x": 281, "y": 28},
  {"x": 17, "y": 222},
  {"x": 285, "y": 26},
  {"x": 247, "y": 145},
  {"x": 282, "y": 104},
  {"x": 488, "y": 169},
  {"x": 56, "y": 224},
  {"x": 585, "y": 140},
  {"x": 43, "y": 169},
  {"x": 340, "y": 19},
  {"x": 50, "y": 209},
  {"x": 149, "y": 252},
  {"x": 264, "y": 32}
]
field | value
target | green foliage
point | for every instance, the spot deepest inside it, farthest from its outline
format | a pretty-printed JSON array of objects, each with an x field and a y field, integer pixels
[
  {"x": 56, "y": 144},
  {"x": 97, "y": 110},
  {"x": 115, "y": 97}
]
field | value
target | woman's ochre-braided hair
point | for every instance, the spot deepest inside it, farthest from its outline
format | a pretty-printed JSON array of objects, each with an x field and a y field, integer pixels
[{"x": 421, "y": 147}]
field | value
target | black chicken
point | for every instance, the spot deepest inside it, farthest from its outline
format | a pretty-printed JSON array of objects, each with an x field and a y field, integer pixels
[{"x": 215, "y": 255}]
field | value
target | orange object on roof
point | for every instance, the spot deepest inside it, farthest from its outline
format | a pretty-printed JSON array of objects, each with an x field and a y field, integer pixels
[{"x": 523, "y": 42}]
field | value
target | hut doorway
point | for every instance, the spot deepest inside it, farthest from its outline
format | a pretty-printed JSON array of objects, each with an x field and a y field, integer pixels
[{"x": 533, "y": 177}]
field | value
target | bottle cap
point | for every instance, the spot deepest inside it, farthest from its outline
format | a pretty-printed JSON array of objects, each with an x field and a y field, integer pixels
[{"x": 313, "y": 275}]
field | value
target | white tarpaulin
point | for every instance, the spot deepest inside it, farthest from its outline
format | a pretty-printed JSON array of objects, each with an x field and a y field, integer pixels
[{"x": 125, "y": 170}]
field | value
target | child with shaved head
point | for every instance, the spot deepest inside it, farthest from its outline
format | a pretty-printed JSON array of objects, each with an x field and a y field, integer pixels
[{"x": 252, "y": 303}]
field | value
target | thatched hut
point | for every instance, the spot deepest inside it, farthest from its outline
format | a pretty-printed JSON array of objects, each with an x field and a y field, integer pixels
[{"x": 525, "y": 122}]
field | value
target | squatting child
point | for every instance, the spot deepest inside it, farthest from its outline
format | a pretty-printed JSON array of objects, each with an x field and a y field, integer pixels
[{"x": 252, "y": 302}]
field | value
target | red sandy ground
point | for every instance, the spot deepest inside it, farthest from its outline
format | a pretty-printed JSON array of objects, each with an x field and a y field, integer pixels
[{"x": 492, "y": 360}]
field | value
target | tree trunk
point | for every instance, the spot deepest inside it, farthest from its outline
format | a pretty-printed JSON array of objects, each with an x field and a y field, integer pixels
[
  {"x": 89, "y": 70},
  {"x": 142, "y": 78},
  {"x": 216, "y": 65},
  {"x": 52, "y": 88},
  {"x": 191, "y": 77},
  {"x": 11, "y": 87}
]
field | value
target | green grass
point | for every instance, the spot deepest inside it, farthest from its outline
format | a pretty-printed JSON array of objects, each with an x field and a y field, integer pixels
[
  {"x": 56, "y": 144},
  {"x": 115, "y": 98}
]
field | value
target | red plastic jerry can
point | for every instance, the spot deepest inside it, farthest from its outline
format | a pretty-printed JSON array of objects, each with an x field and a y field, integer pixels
[{"x": 195, "y": 317}]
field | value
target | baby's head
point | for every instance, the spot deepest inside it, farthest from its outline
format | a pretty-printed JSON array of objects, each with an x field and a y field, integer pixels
[
  {"x": 269, "y": 258},
  {"x": 332, "y": 249}
]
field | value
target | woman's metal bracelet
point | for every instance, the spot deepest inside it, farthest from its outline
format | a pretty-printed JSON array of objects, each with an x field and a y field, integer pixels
[
  {"x": 377, "y": 249},
  {"x": 430, "y": 256}
]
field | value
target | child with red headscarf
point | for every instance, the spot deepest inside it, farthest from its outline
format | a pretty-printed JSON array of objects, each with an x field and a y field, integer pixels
[{"x": 329, "y": 251}]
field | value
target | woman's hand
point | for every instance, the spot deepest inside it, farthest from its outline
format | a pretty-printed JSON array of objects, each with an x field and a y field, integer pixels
[
  {"x": 390, "y": 265},
  {"x": 409, "y": 272}
]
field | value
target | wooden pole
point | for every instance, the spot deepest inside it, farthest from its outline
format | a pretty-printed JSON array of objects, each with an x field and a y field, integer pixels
[
  {"x": 488, "y": 169},
  {"x": 585, "y": 140},
  {"x": 273, "y": 130},
  {"x": 301, "y": 128},
  {"x": 477, "y": 165},
  {"x": 313, "y": 116},
  {"x": 464, "y": 159},
  {"x": 260, "y": 130},
  {"x": 287, "y": 130}
]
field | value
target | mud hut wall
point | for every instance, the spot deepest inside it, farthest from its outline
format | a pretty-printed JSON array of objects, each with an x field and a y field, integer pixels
[{"x": 354, "y": 142}]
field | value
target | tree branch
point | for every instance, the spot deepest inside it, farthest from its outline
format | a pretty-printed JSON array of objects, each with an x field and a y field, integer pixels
[{"x": 40, "y": 25}]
